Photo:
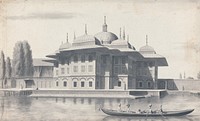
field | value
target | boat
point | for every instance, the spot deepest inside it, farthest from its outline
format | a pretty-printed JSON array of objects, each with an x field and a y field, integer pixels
[{"x": 146, "y": 114}]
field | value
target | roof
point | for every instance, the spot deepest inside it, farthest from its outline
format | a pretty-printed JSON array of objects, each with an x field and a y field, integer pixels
[
  {"x": 86, "y": 39},
  {"x": 161, "y": 61},
  {"x": 40, "y": 62},
  {"x": 147, "y": 49}
]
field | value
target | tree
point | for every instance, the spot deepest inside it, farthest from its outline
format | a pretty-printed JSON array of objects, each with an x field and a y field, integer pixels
[
  {"x": 198, "y": 75},
  {"x": 2, "y": 68},
  {"x": 18, "y": 60},
  {"x": 28, "y": 61},
  {"x": 8, "y": 68}
]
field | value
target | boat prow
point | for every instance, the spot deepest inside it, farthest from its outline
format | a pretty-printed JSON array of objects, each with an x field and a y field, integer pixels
[{"x": 130, "y": 113}]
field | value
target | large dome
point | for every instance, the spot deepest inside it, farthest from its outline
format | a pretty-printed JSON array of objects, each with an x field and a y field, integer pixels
[
  {"x": 147, "y": 50},
  {"x": 106, "y": 37}
]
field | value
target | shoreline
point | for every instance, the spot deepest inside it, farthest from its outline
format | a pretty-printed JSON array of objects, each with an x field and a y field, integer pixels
[{"x": 129, "y": 94}]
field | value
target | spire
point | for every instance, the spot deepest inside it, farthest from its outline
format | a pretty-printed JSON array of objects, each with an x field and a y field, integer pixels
[
  {"x": 146, "y": 39},
  {"x": 74, "y": 35},
  {"x": 104, "y": 27},
  {"x": 104, "y": 19},
  {"x": 124, "y": 36},
  {"x": 67, "y": 38},
  {"x": 120, "y": 36},
  {"x": 85, "y": 28}
]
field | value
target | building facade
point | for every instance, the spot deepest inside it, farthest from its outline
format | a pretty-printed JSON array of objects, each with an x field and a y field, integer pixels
[{"x": 105, "y": 61}]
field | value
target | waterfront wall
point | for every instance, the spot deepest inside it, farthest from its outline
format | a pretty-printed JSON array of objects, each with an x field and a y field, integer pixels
[
  {"x": 80, "y": 93},
  {"x": 179, "y": 84}
]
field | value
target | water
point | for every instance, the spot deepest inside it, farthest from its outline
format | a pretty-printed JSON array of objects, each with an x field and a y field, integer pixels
[{"x": 87, "y": 109}]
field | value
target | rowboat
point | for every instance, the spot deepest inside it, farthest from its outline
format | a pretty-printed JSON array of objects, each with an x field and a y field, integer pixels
[{"x": 155, "y": 114}]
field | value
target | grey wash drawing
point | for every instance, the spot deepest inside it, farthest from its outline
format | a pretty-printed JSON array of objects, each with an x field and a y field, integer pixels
[{"x": 99, "y": 60}]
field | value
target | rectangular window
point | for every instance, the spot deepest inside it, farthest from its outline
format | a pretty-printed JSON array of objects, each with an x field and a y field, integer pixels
[
  {"x": 75, "y": 68},
  {"x": 123, "y": 69},
  {"x": 82, "y": 84},
  {"x": 82, "y": 68},
  {"x": 90, "y": 84},
  {"x": 67, "y": 70},
  {"x": 123, "y": 60},
  {"x": 90, "y": 68},
  {"x": 57, "y": 84},
  {"x": 116, "y": 60},
  {"x": 104, "y": 59},
  {"x": 149, "y": 84},
  {"x": 75, "y": 84},
  {"x": 62, "y": 70},
  {"x": 140, "y": 84},
  {"x": 116, "y": 70},
  {"x": 64, "y": 83},
  {"x": 83, "y": 58}
]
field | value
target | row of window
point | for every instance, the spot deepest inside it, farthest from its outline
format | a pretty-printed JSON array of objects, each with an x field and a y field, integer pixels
[
  {"x": 120, "y": 70},
  {"x": 140, "y": 84},
  {"x": 83, "y": 58},
  {"x": 76, "y": 69},
  {"x": 74, "y": 84},
  {"x": 120, "y": 60}
]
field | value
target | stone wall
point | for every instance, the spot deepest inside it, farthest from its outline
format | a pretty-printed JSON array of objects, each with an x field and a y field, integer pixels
[{"x": 179, "y": 84}]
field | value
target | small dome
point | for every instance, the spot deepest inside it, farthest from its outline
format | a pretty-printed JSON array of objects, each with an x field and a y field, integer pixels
[
  {"x": 147, "y": 50},
  {"x": 86, "y": 39},
  {"x": 65, "y": 46},
  {"x": 106, "y": 37}
]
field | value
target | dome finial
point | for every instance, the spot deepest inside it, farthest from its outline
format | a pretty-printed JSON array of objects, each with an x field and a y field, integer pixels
[
  {"x": 120, "y": 33},
  {"x": 104, "y": 25},
  {"x": 104, "y": 19},
  {"x": 74, "y": 35},
  {"x": 85, "y": 28},
  {"x": 124, "y": 33},
  {"x": 146, "y": 39},
  {"x": 67, "y": 38}
]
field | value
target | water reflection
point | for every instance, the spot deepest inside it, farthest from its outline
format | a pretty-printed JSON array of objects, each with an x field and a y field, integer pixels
[
  {"x": 118, "y": 118},
  {"x": 87, "y": 109}
]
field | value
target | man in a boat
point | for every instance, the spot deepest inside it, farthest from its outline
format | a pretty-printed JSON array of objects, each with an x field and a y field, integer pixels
[
  {"x": 150, "y": 110},
  {"x": 128, "y": 107},
  {"x": 119, "y": 107}
]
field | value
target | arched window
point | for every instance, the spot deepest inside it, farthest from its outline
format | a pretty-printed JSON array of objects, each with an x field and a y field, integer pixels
[
  {"x": 119, "y": 83},
  {"x": 90, "y": 58},
  {"x": 57, "y": 83},
  {"x": 64, "y": 83},
  {"x": 75, "y": 59}
]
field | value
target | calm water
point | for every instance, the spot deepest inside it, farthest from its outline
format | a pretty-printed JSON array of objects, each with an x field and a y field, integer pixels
[{"x": 87, "y": 109}]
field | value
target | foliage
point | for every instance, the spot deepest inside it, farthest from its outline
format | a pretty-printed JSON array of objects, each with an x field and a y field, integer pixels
[
  {"x": 28, "y": 61},
  {"x": 2, "y": 66},
  {"x": 8, "y": 68}
]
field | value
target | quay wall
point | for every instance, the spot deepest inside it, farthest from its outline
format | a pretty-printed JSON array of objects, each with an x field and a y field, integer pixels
[
  {"x": 80, "y": 93},
  {"x": 179, "y": 84}
]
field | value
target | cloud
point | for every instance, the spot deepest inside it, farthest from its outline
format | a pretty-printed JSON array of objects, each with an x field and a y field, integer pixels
[{"x": 52, "y": 15}]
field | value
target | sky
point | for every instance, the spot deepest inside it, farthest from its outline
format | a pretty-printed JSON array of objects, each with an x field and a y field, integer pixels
[{"x": 172, "y": 27}]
